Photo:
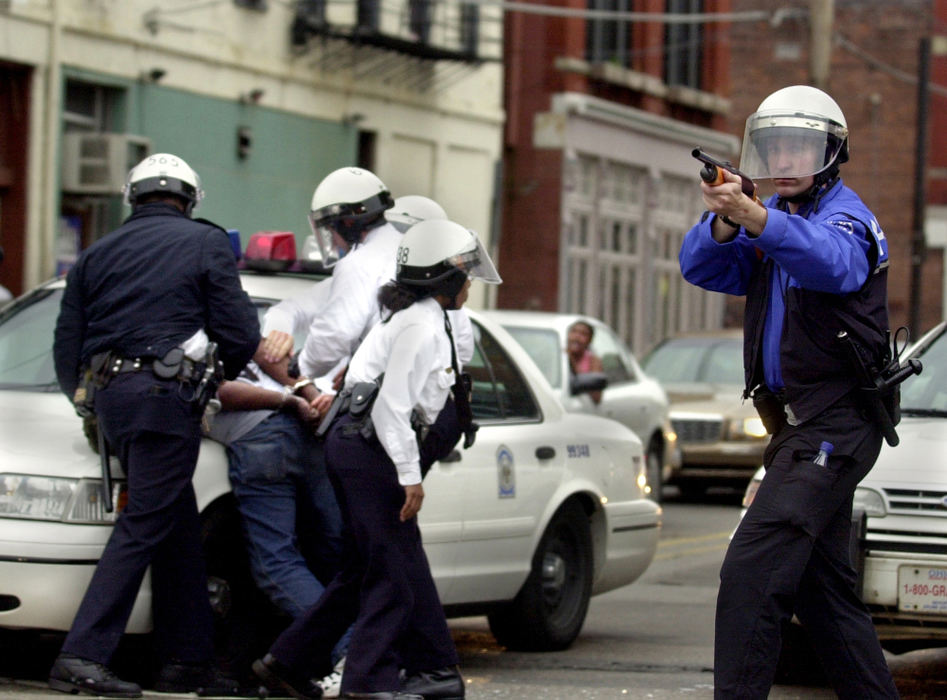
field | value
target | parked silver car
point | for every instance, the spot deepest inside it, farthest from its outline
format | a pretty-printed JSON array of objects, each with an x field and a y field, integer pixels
[
  {"x": 631, "y": 397},
  {"x": 720, "y": 435}
]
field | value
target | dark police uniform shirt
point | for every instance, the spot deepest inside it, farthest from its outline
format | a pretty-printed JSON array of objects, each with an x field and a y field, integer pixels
[{"x": 149, "y": 286}]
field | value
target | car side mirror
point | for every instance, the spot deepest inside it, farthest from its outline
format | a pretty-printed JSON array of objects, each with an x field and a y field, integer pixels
[{"x": 587, "y": 382}]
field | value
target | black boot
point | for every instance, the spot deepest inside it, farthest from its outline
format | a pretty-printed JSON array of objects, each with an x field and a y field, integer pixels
[
  {"x": 438, "y": 684},
  {"x": 202, "y": 679},
  {"x": 277, "y": 676},
  {"x": 73, "y": 674}
]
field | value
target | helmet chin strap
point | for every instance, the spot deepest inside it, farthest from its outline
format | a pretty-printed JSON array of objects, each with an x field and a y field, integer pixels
[{"x": 821, "y": 184}]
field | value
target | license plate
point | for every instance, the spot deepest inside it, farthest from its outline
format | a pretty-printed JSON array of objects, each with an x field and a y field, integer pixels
[{"x": 922, "y": 589}]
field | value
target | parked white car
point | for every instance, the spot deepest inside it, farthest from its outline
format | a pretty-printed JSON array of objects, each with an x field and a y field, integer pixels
[
  {"x": 631, "y": 396},
  {"x": 545, "y": 510},
  {"x": 900, "y": 510}
]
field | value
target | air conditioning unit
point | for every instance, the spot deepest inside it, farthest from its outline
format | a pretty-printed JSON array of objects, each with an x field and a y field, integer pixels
[{"x": 98, "y": 163}]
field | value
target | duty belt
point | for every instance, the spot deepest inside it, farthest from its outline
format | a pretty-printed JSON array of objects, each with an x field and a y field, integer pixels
[{"x": 187, "y": 371}]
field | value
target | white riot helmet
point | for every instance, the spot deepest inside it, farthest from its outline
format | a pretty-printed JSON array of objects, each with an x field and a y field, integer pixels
[
  {"x": 438, "y": 256},
  {"x": 801, "y": 117},
  {"x": 347, "y": 202},
  {"x": 166, "y": 174},
  {"x": 409, "y": 209}
]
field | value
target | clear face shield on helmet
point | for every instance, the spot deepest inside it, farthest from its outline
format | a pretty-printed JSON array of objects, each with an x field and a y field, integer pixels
[
  {"x": 476, "y": 263},
  {"x": 330, "y": 250},
  {"x": 779, "y": 144},
  {"x": 338, "y": 227}
]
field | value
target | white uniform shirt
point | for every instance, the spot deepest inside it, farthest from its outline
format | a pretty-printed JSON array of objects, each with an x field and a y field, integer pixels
[
  {"x": 352, "y": 305},
  {"x": 413, "y": 352},
  {"x": 311, "y": 309},
  {"x": 294, "y": 314}
]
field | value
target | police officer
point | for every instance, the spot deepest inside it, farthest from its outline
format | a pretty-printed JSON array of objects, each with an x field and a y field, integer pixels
[
  {"x": 347, "y": 217},
  {"x": 812, "y": 262},
  {"x": 443, "y": 435},
  {"x": 142, "y": 308},
  {"x": 355, "y": 283},
  {"x": 374, "y": 463}
]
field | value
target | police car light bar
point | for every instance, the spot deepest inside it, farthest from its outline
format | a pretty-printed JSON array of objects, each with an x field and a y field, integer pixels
[{"x": 270, "y": 251}]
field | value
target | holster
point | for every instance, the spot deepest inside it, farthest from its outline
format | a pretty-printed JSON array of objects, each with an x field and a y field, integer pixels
[
  {"x": 770, "y": 409},
  {"x": 93, "y": 377}
]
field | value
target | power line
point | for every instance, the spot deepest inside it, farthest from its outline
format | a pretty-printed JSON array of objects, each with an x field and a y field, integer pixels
[
  {"x": 878, "y": 64},
  {"x": 774, "y": 17}
]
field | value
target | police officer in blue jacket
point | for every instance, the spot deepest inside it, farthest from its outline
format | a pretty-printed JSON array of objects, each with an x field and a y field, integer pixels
[
  {"x": 144, "y": 308},
  {"x": 812, "y": 262}
]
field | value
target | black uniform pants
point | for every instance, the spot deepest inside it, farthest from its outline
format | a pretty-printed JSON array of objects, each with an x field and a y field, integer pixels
[
  {"x": 790, "y": 554},
  {"x": 155, "y": 432},
  {"x": 385, "y": 580}
]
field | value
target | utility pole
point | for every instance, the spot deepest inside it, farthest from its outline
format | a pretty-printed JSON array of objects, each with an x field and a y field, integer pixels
[
  {"x": 918, "y": 244},
  {"x": 821, "y": 18}
]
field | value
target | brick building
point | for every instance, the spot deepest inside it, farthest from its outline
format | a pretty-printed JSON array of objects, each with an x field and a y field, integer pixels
[{"x": 599, "y": 184}]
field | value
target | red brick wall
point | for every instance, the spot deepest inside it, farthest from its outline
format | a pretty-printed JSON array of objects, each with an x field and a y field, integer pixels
[{"x": 530, "y": 229}]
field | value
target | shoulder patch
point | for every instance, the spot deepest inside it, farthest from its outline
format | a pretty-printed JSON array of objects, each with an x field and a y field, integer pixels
[{"x": 843, "y": 224}]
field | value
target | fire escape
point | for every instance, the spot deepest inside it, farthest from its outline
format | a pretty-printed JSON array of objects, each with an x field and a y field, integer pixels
[{"x": 413, "y": 44}]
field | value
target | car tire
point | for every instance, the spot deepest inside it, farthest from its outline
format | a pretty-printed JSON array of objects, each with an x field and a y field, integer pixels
[
  {"x": 654, "y": 468},
  {"x": 548, "y": 612},
  {"x": 245, "y": 622},
  {"x": 692, "y": 490}
]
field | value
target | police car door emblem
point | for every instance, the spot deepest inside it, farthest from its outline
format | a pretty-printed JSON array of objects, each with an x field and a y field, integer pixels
[{"x": 506, "y": 473}]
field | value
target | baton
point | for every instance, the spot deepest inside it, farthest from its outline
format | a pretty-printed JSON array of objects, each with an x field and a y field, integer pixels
[{"x": 106, "y": 468}]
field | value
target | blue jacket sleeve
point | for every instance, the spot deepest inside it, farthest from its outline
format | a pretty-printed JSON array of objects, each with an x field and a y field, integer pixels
[
  {"x": 719, "y": 267},
  {"x": 825, "y": 254}
]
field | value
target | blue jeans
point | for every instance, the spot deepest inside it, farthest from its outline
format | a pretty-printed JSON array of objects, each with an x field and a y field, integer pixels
[{"x": 278, "y": 475}]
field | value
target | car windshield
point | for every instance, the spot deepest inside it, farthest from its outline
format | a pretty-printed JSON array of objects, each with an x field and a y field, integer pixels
[
  {"x": 544, "y": 348},
  {"x": 700, "y": 360},
  {"x": 926, "y": 393},
  {"x": 26, "y": 342}
]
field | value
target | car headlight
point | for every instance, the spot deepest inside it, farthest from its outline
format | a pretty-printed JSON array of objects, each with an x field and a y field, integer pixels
[
  {"x": 751, "y": 490},
  {"x": 751, "y": 427},
  {"x": 869, "y": 501},
  {"x": 56, "y": 499}
]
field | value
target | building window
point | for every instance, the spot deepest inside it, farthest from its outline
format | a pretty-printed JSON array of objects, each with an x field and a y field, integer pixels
[
  {"x": 88, "y": 107},
  {"x": 258, "y": 5},
  {"x": 683, "y": 46},
  {"x": 606, "y": 40},
  {"x": 369, "y": 15},
  {"x": 469, "y": 28},
  {"x": 419, "y": 19},
  {"x": 623, "y": 230}
]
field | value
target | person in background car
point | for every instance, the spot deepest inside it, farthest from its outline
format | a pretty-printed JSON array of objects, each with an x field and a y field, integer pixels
[{"x": 581, "y": 358}]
